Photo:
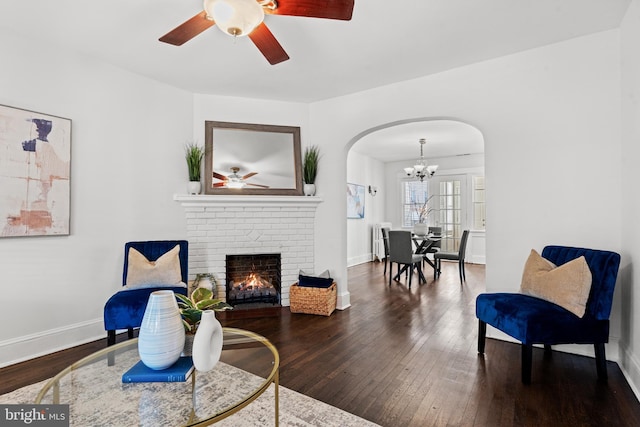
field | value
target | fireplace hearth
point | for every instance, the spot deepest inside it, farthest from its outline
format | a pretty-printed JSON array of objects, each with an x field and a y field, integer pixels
[{"x": 253, "y": 280}]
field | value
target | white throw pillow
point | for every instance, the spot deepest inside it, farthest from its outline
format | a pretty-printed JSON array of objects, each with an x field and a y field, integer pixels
[
  {"x": 568, "y": 285},
  {"x": 165, "y": 271}
]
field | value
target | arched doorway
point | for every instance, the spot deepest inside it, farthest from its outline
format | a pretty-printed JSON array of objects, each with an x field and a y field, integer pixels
[{"x": 376, "y": 159}]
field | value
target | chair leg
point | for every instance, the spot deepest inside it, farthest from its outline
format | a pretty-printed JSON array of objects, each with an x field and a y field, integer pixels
[
  {"x": 460, "y": 271},
  {"x": 601, "y": 361},
  {"x": 385, "y": 265},
  {"x": 482, "y": 334},
  {"x": 111, "y": 338},
  {"x": 130, "y": 333},
  {"x": 527, "y": 357},
  {"x": 390, "y": 272},
  {"x": 464, "y": 275},
  {"x": 410, "y": 269}
]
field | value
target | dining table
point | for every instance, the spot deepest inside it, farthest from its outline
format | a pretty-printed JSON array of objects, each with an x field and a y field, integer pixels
[{"x": 422, "y": 244}]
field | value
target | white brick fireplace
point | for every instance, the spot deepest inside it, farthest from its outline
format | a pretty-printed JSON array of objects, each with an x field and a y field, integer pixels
[{"x": 236, "y": 225}]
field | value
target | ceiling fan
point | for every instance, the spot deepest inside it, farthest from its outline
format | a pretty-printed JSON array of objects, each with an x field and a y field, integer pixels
[
  {"x": 234, "y": 180},
  {"x": 245, "y": 18}
]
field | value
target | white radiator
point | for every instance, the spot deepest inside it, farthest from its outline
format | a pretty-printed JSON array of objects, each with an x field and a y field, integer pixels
[{"x": 376, "y": 239}]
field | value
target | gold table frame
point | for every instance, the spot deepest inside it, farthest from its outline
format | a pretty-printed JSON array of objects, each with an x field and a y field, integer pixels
[{"x": 248, "y": 337}]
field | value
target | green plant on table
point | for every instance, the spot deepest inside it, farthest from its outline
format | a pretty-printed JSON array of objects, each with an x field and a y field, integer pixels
[
  {"x": 193, "y": 155},
  {"x": 191, "y": 307}
]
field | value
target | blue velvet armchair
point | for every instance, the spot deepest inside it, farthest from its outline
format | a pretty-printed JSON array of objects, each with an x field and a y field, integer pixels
[
  {"x": 531, "y": 320},
  {"x": 125, "y": 309}
]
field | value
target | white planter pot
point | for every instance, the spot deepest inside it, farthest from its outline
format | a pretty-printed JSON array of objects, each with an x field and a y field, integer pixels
[
  {"x": 194, "y": 187},
  {"x": 161, "y": 337},
  {"x": 207, "y": 344},
  {"x": 309, "y": 189}
]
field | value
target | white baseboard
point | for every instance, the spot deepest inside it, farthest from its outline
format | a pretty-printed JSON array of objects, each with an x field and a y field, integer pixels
[
  {"x": 343, "y": 301},
  {"x": 612, "y": 348},
  {"x": 630, "y": 367},
  {"x": 360, "y": 259},
  {"x": 30, "y": 346}
]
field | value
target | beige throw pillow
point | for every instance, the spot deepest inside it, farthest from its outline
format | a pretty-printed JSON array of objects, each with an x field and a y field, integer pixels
[
  {"x": 567, "y": 286},
  {"x": 165, "y": 271}
]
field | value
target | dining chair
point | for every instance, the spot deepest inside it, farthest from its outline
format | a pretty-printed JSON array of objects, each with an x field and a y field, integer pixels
[
  {"x": 453, "y": 256},
  {"x": 385, "y": 240},
  {"x": 437, "y": 244},
  {"x": 401, "y": 252}
]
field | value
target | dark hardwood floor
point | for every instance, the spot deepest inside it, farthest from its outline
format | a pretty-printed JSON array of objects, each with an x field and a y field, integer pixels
[{"x": 401, "y": 357}]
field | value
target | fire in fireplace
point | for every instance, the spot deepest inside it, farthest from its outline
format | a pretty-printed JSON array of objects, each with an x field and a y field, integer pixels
[{"x": 253, "y": 279}]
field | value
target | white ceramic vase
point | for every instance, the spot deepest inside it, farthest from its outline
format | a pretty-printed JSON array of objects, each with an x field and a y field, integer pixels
[
  {"x": 207, "y": 344},
  {"x": 309, "y": 189},
  {"x": 421, "y": 229},
  {"x": 194, "y": 187},
  {"x": 161, "y": 337}
]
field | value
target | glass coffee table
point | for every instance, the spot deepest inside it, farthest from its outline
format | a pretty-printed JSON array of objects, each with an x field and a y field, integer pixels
[{"x": 96, "y": 395}]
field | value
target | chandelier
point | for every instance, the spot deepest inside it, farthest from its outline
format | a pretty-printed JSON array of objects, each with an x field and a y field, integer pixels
[{"x": 421, "y": 170}]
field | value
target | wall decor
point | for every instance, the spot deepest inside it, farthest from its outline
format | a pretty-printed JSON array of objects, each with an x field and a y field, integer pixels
[
  {"x": 245, "y": 158},
  {"x": 35, "y": 168},
  {"x": 355, "y": 201}
]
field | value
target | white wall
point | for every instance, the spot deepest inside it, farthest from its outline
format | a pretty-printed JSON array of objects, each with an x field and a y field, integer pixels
[
  {"x": 127, "y": 161},
  {"x": 630, "y": 296},
  {"x": 365, "y": 170},
  {"x": 550, "y": 118}
]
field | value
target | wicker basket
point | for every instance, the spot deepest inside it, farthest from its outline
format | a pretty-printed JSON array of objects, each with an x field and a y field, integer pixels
[{"x": 313, "y": 300}]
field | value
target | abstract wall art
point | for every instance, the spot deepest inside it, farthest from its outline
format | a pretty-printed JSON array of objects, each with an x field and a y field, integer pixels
[
  {"x": 355, "y": 201},
  {"x": 35, "y": 168}
]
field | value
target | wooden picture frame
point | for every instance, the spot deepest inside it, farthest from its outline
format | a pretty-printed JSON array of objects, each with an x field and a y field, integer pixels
[
  {"x": 35, "y": 173},
  {"x": 252, "y": 159}
]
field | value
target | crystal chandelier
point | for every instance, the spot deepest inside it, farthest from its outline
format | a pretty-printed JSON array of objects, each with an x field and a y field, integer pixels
[{"x": 421, "y": 170}]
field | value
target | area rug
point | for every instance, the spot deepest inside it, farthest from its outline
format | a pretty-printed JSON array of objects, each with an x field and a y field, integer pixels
[{"x": 145, "y": 405}]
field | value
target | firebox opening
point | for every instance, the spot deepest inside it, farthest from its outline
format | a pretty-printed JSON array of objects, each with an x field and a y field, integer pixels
[{"x": 253, "y": 280}]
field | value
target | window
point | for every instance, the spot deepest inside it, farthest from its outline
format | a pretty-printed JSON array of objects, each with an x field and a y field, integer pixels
[{"x": 414, "y": 194}]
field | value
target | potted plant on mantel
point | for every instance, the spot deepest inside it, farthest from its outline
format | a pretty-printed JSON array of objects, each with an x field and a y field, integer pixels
[
  {"x": 310, "y": 169},
  {"x": 193, "y": 155},
  {"x": 191, "y": 309}
]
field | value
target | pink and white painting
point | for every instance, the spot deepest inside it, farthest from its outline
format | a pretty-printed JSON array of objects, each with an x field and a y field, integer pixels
[{"x": 35, "y": 167}]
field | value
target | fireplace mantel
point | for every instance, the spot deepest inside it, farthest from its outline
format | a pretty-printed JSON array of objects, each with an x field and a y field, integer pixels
[
  {"x": 211, "y": 200},
  {"x": 219, "y": 225}
]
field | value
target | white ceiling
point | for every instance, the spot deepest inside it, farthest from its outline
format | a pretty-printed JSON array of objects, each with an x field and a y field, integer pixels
[{"x": 385, "y": 42}]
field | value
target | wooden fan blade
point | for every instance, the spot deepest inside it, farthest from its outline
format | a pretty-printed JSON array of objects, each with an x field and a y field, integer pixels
[
  {"x": 188, "y": 30},
  {"x": 219, "y": 176},
  {"x": 328, "y": 9},
  {"x": 256, "y": 185},
  {"x": 249, "y": 175},
  {"x": 219, "y": 184},
  {"x": 268, "y": 45}
]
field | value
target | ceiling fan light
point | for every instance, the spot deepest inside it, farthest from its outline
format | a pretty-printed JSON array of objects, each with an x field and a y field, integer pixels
[{"x": 235, "y": 17}]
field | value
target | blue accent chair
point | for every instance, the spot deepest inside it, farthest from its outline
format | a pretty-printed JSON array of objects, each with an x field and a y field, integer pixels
[
  {"x": 125, "y": 309},
  {"x": 531, "y": 320}
]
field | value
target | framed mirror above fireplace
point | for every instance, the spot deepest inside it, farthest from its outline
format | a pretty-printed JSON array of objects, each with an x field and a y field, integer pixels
[{"x": 252, "y": 159}]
